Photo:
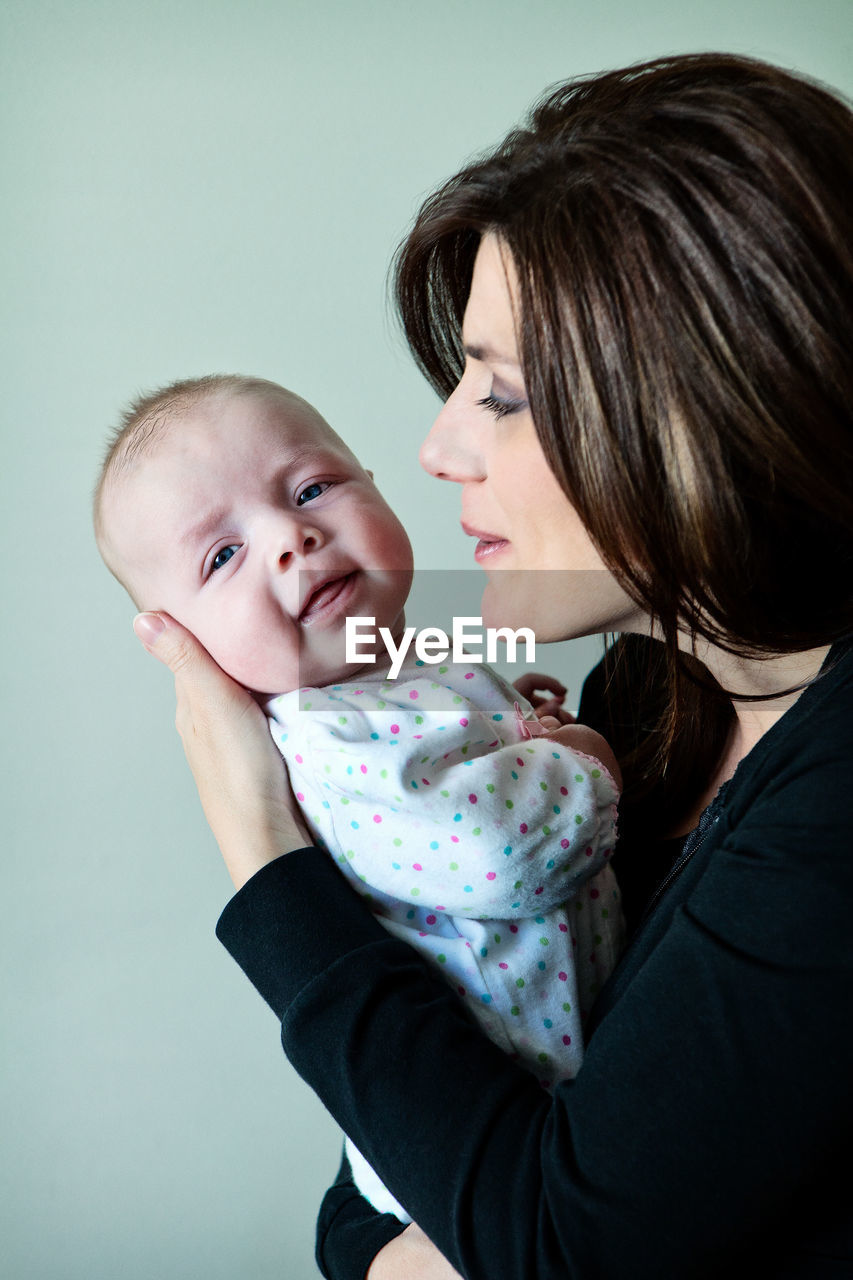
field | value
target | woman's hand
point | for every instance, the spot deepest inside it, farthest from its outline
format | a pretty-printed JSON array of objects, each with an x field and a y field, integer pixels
[
  {"x": 241, "y": 779},
  {"x": 411, "y": 1256}
]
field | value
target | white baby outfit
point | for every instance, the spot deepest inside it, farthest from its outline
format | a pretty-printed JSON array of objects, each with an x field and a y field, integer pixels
[{"x": 486, "y": 849}]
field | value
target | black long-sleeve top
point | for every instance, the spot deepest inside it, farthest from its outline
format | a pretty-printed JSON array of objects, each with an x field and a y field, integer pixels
[{"x": 712, "y": 1119}]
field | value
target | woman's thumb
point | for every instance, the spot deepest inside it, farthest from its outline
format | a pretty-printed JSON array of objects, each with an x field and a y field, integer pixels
[{"x": 162, "y": 636}]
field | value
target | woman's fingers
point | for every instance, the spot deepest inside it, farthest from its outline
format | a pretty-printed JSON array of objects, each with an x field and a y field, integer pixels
[
  {"x": 531, "y": 682},
  {"x": 241, "y": 779}
]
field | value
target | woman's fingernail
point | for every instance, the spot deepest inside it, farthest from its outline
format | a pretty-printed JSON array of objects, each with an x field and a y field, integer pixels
[{"x": 148, "y": 626}]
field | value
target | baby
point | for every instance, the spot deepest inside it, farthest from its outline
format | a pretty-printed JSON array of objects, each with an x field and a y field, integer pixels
[{"x": 229, "y": 503}]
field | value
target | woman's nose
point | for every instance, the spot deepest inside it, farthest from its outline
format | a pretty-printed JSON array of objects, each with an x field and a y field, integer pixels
[{"x": 452, "y": 450}]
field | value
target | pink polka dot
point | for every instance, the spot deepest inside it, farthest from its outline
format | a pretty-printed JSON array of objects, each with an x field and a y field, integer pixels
[
  {"x": 593, "y": 893},
  {"x": 425, "y": 781},
  {"x": 300, "y": 797},
  {"x": 567, "y": 1039},
  {"x": 523, "y": 828},
  {"x": 513, "y": 928},
  {"x": 519, "y": 761},
  {"x": 364, "y": 768},
  {"x": 416, "y": 866},
  {"x": 564, "y": 791},
  {"x": 464, "y": 722},
  {"x": 564, "y": 928},
  {"x": 438, "y": 907},
  {"x": 455, "y": 839},
  {"x": 413, "y": 693},
  {"x": 503, "y": 965},
  {"x": 472, "y": 798},
  {"x": 541, "y": 889},
  {"x": 430, "y": 919},
  {"x": 469, "y": 675},
  {"x": 490, "y": 875},
  {"x": 589, "y": 853},
  {"x": 461, "y": 990},
  {"x": 395, "y": 728},
  {"x": 298, "y": 759},
  {"x": 564, "y": 844},
  {"x": 377, "y": 817},
  {"x": 564, "y": 977}
]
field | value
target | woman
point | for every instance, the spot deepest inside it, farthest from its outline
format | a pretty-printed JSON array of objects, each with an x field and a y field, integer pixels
[{"x": 638, "y": 310}]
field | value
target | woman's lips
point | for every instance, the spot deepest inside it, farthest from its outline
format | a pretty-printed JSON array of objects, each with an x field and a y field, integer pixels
[
  {"x": 488, "y": 544},
  {"x": 329, "y": 599}
]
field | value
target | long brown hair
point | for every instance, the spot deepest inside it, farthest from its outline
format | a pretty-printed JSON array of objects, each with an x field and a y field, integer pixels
[{"x": 682, "y": 232}]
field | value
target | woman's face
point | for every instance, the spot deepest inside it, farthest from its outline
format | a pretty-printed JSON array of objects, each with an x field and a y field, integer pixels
[{"x": 543, "y": 570}]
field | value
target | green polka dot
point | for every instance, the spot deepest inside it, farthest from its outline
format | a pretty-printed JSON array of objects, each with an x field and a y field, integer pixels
[
  {"x": 543, "y": 1057},
  {"x": 307, "y": 706},
  {"x": 497, "y": 937},
  {"x": 456, "y": 698},
  {"x": 442, "y": 671},
  {"x": 578, "y": 819},
  {"x": 344, "y": 799},
  {"x": 544, "y": 942},
  {"x": 442, "y": 959},
  {"x": 519, "y": 982},
  {"x": 397, "y": 841},
  {"x": 445, "y": 794},
  {"x": 509, "y": 804},
  {"x": 596, "y": 773},
  {"x": 342, "y": 719},
  {"x": 578, "y": 777},
  {"x": 567, "y": 1008},
  {"x": 477, "y": 831},
  {"x": 380, "y": 705},
  {"x": 383, "y": 773},
  {"x": 515, "y": 1011},
  {"x": 543, "y": 786},
  {"x": 454, "y": 866},
  {"x": 419, "y": 719},
  {"x": 416, "y": 893},
  {"x": 546, "y": 831}
]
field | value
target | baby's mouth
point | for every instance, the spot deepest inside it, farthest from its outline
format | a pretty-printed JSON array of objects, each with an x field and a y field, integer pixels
[{"x": 325, "y": 596}]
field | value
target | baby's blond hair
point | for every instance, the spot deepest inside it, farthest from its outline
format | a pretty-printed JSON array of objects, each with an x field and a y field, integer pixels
[{"x": 144, "y": 423}]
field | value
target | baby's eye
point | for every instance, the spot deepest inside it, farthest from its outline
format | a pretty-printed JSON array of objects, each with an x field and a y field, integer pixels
[
  {"x": 313, "y": 491},
  {"x": 222, "y": 557}
]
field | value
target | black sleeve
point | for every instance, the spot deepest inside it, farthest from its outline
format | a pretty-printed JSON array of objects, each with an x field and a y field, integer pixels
[{"x": 350, "y": 1232}]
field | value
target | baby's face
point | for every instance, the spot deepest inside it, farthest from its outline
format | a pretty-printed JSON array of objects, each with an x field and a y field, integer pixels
[{"x": 253, "y": 526}]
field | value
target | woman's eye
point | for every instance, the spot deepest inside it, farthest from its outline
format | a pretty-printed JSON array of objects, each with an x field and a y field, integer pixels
[
  {"x": 222, "y": 557},
  {"x": 500, "y": 408},
  {"x": 313, "y": 491}
]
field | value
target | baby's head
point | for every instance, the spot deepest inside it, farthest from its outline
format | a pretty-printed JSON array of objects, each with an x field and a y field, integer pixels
[{"x": 229, "y": 503}]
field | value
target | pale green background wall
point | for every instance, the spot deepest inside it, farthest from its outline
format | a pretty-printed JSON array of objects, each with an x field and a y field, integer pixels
[{"x": 193, "y": 186}]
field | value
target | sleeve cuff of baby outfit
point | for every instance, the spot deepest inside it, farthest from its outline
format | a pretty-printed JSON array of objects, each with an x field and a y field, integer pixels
[{"x": 291, "y": 921}]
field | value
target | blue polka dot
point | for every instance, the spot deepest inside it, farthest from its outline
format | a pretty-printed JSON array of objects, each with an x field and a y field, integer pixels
[
  {"x": 548, "y": 1023},
  {"x": 457, "y": 817},
  {"x": 541, "y": 965},
  {"x": 508, "y": 850},
  {"x": 375, "y": 736},
  {"x": 396, "y": 866},
  {"x": 486, "y": 998},
  {"x": 433, "y": 844},
  {"x": 354, "y": 825},
  {"x": 468, "y": 889}
]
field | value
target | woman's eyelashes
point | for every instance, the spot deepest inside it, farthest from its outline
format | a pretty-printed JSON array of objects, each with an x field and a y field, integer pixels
[{"x": 500, "y": 406}]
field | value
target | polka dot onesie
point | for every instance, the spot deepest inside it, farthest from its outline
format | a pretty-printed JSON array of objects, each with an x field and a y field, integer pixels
[{"x": 484, "y": 848}]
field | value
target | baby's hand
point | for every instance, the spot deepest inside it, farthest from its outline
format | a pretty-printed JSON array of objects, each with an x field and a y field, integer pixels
[
  {"x": 579, "y": 737},
  {"x": 530, "y": 686}
]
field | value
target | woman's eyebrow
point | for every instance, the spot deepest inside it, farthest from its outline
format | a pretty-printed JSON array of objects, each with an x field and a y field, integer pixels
[{"x": 488, "y": 355}]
